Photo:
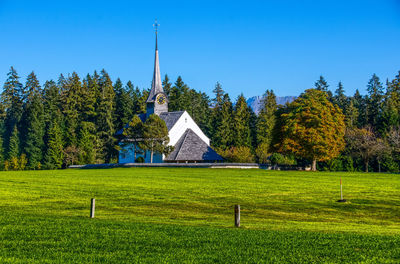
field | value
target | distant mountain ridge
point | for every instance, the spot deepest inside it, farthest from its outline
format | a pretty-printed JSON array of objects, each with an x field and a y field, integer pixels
[{"x": 255, "y": 101}]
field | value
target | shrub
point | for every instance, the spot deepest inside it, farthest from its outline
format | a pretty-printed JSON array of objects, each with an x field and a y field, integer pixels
[
  {"x": 279, "y": 159},
  {"x": 237, "y": 154}
]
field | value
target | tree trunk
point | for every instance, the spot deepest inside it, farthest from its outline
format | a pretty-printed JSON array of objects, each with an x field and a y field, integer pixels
[
  {"x": 151, "y": 156},
  {"x": 366, "y": 166},
  {"x": 314, "y": 165},
  {"x": 134, "y": 154}
]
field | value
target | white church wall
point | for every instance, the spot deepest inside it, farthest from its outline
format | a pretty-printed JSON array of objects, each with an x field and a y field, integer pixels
[{"x": 183, "y": 123}]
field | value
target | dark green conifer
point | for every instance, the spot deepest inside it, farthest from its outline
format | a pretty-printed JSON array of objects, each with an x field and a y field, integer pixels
[{"x": 241, "y": 123}]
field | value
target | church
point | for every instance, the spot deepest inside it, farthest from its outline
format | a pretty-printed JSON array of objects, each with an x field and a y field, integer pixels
[{"x": 190, "y": 144}]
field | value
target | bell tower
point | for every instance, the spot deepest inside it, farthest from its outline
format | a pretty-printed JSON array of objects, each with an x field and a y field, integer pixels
[{"x": 157, "y": 102}]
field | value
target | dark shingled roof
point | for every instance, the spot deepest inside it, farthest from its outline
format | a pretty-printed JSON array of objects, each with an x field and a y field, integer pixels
[
  {"x": 190, "y": 147},
  {"x": 171, "y": 118}
]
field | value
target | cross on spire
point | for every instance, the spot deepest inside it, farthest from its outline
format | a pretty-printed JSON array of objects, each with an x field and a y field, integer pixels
[{"x": 155, "y": 25}]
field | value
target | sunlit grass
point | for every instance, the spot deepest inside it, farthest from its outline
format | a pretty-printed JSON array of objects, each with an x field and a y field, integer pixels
[{"x": 52, "y": 208}]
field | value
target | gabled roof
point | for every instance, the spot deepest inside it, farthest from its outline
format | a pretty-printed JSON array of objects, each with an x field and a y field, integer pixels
[
  {"x": 170, "y": 118},
  {"x": 190, "y": 147}
]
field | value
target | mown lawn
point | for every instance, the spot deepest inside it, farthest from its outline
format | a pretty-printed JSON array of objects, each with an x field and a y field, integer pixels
[{"x": 186, "y": 215}]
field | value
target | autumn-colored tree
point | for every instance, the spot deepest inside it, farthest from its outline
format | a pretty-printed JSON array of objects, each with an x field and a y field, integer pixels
[{"x": 312, "y": 128}]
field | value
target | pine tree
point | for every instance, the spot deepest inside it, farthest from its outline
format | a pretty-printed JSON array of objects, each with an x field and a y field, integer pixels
[
  {"x": 351, "y": 114},
  {"x": 223, "y": 124},
  {"x": 167, "y": 85},
  {"x": 32, "y": 123},
  {"x": 123, "y": 105},
  {"x": 13, "y": 150},
  {"x": 71, "y": 97},
  {"x": 322, "y": 85},
  {"x": 87, "y": 143},
  {"x": 105, "y": 122},
  {"x": 241, "y": 123},
  {"x": 375, "y": 100},
  {"x": 12, "y": 101},
  {"x": 53, "y": 126},
  {"x": 54, "y": 154},
  {"x": 266, "y": 118},
  {"x": 340, "y": 98},
  {"x": 219, "y": 95}
]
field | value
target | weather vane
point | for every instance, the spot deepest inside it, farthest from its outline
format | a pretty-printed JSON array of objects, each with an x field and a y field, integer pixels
[{"x": 155, "y": 25}]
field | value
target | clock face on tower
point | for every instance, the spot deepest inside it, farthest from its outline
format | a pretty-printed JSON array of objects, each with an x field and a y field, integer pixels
[{"x": 161, "y": 99}]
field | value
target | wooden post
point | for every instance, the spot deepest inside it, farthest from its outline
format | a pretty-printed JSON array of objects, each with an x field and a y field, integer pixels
[
  {"x": 92, "y": 205},
  {"x": 237, "y": 215},
  {"x": 341, "y": 191}
]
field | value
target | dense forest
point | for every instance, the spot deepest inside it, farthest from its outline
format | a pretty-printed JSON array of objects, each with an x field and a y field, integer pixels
[{"x": 74, "y": 121}]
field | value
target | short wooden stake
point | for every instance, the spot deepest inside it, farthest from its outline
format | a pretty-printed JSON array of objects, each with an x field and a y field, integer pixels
[
  {"x": 237, "y": 215},
  {"x": 341, "y": 193},
  {"x": 92, "y": 205}
]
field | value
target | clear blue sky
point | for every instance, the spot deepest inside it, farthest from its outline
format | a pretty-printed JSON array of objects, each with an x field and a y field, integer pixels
[{"x": 248, "y": 46}]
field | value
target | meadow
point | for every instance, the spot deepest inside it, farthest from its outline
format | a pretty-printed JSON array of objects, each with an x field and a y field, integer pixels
[{"x": 183, "y": 215}]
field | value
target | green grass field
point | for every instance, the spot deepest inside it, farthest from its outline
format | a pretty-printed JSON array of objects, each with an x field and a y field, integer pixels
[{"x": 186, "y": 215}]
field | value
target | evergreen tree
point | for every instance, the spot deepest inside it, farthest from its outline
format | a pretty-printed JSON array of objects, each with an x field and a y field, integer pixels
[
  {"x": 266, "y": 118},
  {"x": 375, "y": 100},
  {"x": 266, "y": 124},
  {"x": 351, "y": 114},
  {"x": 241, "y": 123},
  {"x": 123, "y": 105},
  {"x": 223, "y": 124},
  {"x": 167, "y": 85},
  {"x": 53, "y": 124},
  {"x": 87, "y": 143},
  {"x": 32, "y": 123},
  {"x": 12, "y": 101},
  {"x": 13, "y": 150},
  {"x": 71, "y": 97},
  {"x": 322, "y": 85},
  {"x": 54, "y": 154},
  {"x": 340, "y": 98},
  {"x": 219, "y": 95},
  {"x": 105, "y": 122}
]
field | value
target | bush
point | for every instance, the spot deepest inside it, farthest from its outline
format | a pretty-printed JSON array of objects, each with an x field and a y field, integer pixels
[
  {"x": 279, "y": 159},
  {"x": 237, "y": 154}
]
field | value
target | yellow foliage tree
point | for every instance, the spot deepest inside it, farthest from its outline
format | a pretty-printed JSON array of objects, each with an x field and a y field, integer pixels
[{"x": 313, "y": 128}]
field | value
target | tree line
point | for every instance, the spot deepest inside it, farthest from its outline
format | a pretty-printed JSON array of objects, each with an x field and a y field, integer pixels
[{"x": 74, "y": 120}]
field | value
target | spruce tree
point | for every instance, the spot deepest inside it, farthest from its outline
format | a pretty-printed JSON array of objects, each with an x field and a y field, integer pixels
[
  {"x": 375, "y": 100},
  {"x": 12, "y": 101},
  {"x": 55, "y": 152},
  {"x": 322, "y": 85},
  {"x": 266, "y": 118},
  {"x": 241, "y": 123},
  {"x": 167, "y": 85},
  {"x": 32, "y": 123},
  {"x": 223, "y": 124},
  {"x": 53, "y": 125},
  {"x": 14, "y": 146},
  {"x": 71, "y": 97},
  {"x": 105, "y": 121},
  {"x": 123, "y": 105},
  {"x": 340, "y": 98}
]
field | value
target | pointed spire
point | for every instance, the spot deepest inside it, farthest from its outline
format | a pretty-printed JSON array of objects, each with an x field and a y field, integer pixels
[{"x": 156, "y": 85}]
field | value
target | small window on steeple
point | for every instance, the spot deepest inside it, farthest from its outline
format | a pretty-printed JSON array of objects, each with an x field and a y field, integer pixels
[{"x": 185, "y": 120}]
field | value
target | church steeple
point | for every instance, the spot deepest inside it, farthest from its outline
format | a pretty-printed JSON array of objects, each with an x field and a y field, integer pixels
[{"x": 157, "y": 101}]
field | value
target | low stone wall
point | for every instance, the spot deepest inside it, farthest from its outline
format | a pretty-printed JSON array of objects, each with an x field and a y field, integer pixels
[{"x": 187, "y": 165}]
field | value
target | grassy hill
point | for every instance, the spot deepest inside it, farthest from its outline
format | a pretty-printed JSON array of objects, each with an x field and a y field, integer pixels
[{"x": 186, "y": 215}]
